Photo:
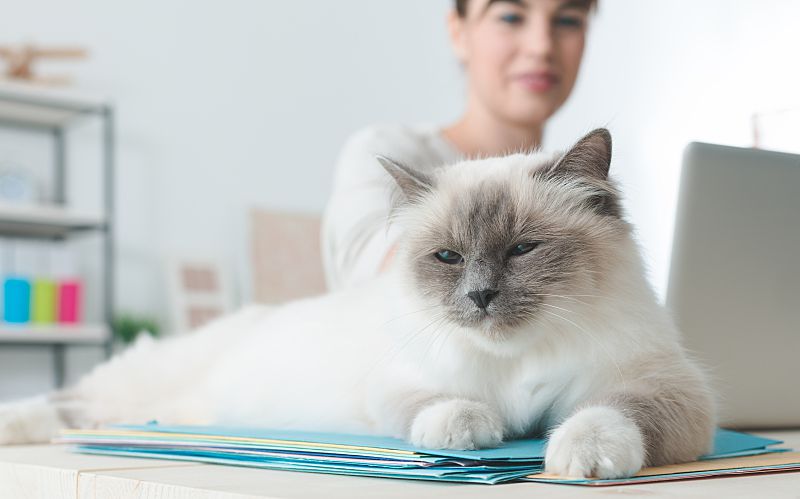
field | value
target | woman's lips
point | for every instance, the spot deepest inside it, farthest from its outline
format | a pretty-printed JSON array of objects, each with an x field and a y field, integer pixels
[{"x": 539, "y": 81}]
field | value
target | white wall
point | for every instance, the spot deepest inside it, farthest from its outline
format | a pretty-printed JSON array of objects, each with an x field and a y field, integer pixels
[
  {"x": 227, "y": 105},
  {"x": 663, "y": 74}
]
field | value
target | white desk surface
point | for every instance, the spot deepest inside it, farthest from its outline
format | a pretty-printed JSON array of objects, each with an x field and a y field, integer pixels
[{"x": 53, "y": 472}]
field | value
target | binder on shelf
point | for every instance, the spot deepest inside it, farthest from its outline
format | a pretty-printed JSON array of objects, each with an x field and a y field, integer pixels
[
  {"x": 21, "y": 265},
  {"x": 70, "y": 287}
]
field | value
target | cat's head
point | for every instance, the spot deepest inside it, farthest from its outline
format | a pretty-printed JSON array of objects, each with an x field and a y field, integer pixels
[{"x": 500, "y": 245}]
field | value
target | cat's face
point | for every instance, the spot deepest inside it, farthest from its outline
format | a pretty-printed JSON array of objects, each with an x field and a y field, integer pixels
[{"x": 497, "y": 243}]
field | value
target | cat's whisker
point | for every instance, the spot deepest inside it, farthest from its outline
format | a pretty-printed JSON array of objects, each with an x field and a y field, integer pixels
[
  {"x": 572, "y": 299},
  {"x": 426, "y": 309},
  {"x": 570, "y": 296},
  {"x": 557, "y": 307},
  {"x": 449, "y": 331},
  {"x": 532, "y": 320},
  {"x": 561, "y": 296},
  {"x": 433, "y": 337},
  {"x": 435, "y": 323},
  {"x": 596, "y": 341},
  {"x": 392, "y": 354}
]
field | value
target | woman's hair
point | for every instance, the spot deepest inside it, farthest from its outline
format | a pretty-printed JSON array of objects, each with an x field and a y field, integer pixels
[{"x": 461, "y": 6}]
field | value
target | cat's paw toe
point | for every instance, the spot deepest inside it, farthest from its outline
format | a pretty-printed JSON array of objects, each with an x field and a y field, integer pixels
[
  {"x": 456, "y": 424},
  {"x": 596, "y": 442}
]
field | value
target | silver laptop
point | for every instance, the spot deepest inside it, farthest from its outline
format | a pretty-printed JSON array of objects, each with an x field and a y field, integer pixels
[{"x": 734, "y": 283}]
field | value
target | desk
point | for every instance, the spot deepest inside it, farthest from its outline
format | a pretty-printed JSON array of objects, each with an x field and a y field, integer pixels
[{"x": 53, "y": 472}]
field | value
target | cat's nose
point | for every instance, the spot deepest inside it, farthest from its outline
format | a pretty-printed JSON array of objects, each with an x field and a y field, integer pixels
[{"x": 482, "y": 297}]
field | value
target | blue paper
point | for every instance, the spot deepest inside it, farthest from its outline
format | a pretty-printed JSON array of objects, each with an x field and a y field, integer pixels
[
  {"x": 512, "y": 450},
  {"x": 450, "y": 474},
  {"x": 725, "y": 441},
  {"x": 729, "y": 441}
]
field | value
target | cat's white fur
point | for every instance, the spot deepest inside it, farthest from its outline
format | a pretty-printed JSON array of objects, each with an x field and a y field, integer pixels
[{"x": 379, "y": 359}]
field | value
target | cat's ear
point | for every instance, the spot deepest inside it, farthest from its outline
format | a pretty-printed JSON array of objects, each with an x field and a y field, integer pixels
[
  {"x": 588, "y": 162},
  {"x": 589, "y": 157},
  {"x": 412, "y": 183}
]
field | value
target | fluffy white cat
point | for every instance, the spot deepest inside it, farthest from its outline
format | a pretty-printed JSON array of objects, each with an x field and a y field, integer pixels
[{"x": 517, "y": 305}]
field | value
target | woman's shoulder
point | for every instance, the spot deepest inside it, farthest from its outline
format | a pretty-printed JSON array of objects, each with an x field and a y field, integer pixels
[
  {"x": 391, "y": 133},
  {"x": 398, "y": 141}
]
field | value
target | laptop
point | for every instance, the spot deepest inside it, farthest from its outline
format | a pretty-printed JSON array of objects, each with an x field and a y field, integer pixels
[{"x": 734, "y": 282}]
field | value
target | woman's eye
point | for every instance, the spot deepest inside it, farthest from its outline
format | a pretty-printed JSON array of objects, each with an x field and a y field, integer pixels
[
  {"x": 568, "y": 22},
  {"x": 450, "y": 257},
  {"x": 521, "y": 248},
  {"x": 511, "y": 18}
]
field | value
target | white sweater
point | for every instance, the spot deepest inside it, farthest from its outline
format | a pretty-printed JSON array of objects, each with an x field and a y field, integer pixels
[{"x": 355, "y": 235}]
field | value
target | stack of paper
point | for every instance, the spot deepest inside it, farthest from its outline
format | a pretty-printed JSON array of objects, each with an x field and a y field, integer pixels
[{"x": 351, "y": 454}]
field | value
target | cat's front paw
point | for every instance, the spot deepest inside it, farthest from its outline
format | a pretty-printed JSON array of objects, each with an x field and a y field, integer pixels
[
  {"x": 456, "y": 424},
  {"x": 596, "y": 442}
]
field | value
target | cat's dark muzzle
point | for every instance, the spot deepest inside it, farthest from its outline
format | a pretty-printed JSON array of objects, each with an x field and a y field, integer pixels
[
  {"x": 477, "y": 317},
  {"x": 500, "y": 315}
]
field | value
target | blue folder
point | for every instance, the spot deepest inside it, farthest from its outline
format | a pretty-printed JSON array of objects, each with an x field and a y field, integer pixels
[{"x": 363, "y": 455}]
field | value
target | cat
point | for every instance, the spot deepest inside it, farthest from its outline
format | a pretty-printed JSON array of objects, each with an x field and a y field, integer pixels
[{"x": 516, "y": 306}]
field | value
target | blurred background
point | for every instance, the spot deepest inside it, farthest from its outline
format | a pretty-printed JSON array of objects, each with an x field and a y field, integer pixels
[{"x": 221, "y": 122}]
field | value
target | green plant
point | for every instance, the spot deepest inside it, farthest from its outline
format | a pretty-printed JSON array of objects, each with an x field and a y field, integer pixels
[{"x": 127, "y": 326}]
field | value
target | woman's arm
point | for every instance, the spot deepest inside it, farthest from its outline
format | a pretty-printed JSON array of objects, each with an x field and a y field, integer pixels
[{"x": 357, "y": 243}]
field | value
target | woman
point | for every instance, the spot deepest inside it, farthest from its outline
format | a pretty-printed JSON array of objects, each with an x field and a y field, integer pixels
[{"x": 521, "y": 59}]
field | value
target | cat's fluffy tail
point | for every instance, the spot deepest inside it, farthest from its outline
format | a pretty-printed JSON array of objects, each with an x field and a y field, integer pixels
[{"x": 33, "y": 420}]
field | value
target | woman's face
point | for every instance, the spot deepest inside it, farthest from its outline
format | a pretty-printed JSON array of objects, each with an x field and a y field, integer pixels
[{"x": 521, "y": 56}]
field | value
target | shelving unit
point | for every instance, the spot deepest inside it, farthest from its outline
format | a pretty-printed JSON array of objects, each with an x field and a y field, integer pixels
[{"x": 50, "y": 111}]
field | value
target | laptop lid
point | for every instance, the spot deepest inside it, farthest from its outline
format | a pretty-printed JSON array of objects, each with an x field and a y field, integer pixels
[{"x": 734, "y": 282}]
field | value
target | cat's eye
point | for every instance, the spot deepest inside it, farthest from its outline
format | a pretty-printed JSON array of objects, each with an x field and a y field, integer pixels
[
  {"x": 449, "y": 257},
  {"x": 522, "y": 248}
]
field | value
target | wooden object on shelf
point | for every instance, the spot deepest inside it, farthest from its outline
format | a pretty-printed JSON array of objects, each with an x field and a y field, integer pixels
[{"x": 20, "y": 61}]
